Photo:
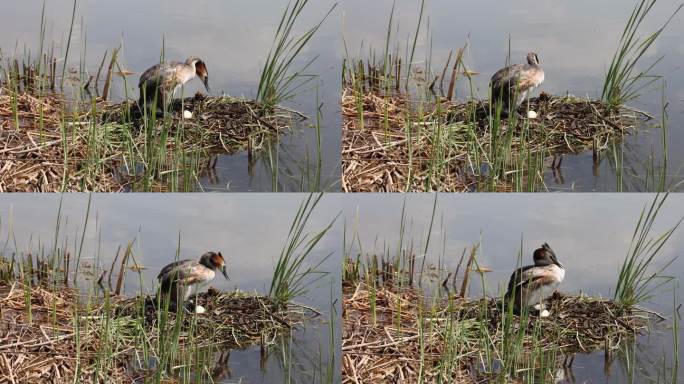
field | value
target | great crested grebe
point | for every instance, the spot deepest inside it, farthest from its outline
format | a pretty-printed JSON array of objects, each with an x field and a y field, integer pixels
[
  {"x": 162, "y": 80},
  {"x": 511, "y": 85},
  {"x": 529, "y": 286},
  {"x": 182, "y": 279}
]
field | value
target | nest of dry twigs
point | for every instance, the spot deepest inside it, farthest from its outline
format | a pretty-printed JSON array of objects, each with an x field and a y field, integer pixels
[
  {"x": 224, "y": 124},
  {"x": 388, "y": 348},
  {"x": 52, "y": 145},
  {"x": 390, "y": 146},
  {"x": 40, "y": 345},
  {"x": 233, "y": 320}
]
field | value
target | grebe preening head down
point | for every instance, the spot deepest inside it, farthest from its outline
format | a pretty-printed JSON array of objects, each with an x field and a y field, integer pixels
[
  {"x": 162, "y": 80},
  {"x": 182, "y": 279},
  {"x": 529, "y": 286},
  {"x": 511, "y": 85}
]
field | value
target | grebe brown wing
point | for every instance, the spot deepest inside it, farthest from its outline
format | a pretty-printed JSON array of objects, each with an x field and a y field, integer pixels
[
  {"x": 507, "y": 76},
  {"x": 169, "y": 267},
  {"x": 529, "y": 278},
  {"x": 504, "y": 81},
  {"x": 184, "y": 273},
  {"x": 159, "y": 77},
  {"x": 516, "y": 278},
  {"x": 158, "y": 72}
]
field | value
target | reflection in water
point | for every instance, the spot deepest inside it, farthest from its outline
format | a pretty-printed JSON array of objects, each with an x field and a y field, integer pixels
[
  {"x": 249, "y": 230},
  {"x": 590, "y": 233},
  {"x": 234, "y": 39},
  {"x": 575, "y": 42}
]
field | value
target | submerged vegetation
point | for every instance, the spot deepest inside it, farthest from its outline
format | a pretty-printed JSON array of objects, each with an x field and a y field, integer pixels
[
  {"x": 63, "y": 133},
  {"x": 405, "y": 320},
  {"x": 402, "y": 131},
  {"x": 66, "y": 319}
]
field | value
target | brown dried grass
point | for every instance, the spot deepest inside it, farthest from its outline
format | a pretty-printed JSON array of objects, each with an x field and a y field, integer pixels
[
  {"x": 37, "y": 159},
  {"x": 44, "y": 350}
]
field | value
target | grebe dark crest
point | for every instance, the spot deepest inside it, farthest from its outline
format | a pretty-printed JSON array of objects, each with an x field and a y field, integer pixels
[
  {"x": 162, "y": 80},
  {"x": 511, "y": 85},
  {"x": 529, "y": 286},
  {"x": 182, "y": 279}
]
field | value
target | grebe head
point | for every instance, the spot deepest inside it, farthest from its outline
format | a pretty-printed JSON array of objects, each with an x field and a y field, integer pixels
[
  {"x": 545, "y": 256},
  {"x": 532, "y": 59},
  {"x": 214, "y": 261},
  {"x": 200, "y": 70}
]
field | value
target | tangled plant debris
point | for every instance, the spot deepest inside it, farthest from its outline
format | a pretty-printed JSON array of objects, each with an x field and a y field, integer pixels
[
  {"x": 52, "y": 144},
  {"x": 59, "y": 333},
  {"x": 392, "y": 334},
  {"x": 391, "y": 143}
]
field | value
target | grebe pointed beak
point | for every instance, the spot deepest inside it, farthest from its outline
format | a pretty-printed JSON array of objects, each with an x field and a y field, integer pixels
[
  {"x": 205, "y": 81},
  {"x": 555, "y": 261},
  {"x": 225, "y": 274}
]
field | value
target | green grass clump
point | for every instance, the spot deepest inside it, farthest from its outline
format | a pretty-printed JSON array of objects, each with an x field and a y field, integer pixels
[
  {"x": 278, "y": 82},
  {"x": 624, "y": 81},
  {"x": 639, "y": 278},
  {"x": 290, "y": 277}
]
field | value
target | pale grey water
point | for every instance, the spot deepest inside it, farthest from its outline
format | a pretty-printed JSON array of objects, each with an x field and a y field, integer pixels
[
  {"x": 575, "y": 41},
  {"x": 249, "y": 229},
  {"x": 233, "y": 37},
  {"x": 590, "y": 233}
]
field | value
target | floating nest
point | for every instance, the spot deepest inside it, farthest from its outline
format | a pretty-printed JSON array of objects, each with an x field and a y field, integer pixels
[
  {"x": 564, "y": 124},
  {"x": 51, "y": 144},
  {"x": 390, "y": 144},
  {"x": 387, "y": 346},
  {"x": 50, "y": 335},
  {"x": 224, "y": 123},
  {"x": 233, "y": 320}
]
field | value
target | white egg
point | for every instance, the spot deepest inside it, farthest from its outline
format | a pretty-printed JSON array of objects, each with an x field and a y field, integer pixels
[
  {"x": 187, "y": 114},
  {"x": 532, "y": 114},
  {"x": 544, "y": 313},
  {"x": 199, "y": 309}
]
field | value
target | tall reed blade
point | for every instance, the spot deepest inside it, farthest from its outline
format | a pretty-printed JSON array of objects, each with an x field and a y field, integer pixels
[
  {"x": 291, "y": 278},
  {"x": 278, "y": 82},
  {"x": 623, "y": 81},
  {"x": 639, "y": 278}
]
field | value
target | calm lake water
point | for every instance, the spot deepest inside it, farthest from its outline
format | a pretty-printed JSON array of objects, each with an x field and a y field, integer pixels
[
  {"x": 233, "y": 38},
  {"x": 249, "y": 229},
  {"x": 575, "y": 42},
  {"x": 590, "y": 234}
]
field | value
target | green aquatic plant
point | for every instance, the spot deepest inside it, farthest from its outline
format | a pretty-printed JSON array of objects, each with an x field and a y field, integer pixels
[
  {"x": 291, "y": 278},
  {"x": 624, "y": 81},
  {"x": 278, "y": 82},
  {"x": 639, "y": 277}
]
